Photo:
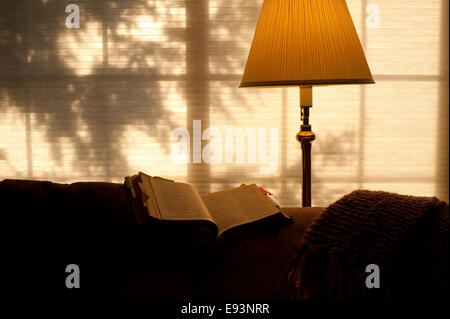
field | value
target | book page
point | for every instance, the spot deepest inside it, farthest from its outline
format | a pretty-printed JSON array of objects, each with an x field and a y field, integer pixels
[
  {"x": 239, "y": 206},
  {"x": 178, "y": 201}
]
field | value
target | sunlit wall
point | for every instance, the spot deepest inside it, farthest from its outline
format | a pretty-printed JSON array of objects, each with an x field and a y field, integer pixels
[{"x": 153, "y": 86}]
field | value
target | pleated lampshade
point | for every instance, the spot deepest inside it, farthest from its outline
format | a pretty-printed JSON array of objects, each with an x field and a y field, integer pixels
[{"x": 305, "y": 42}]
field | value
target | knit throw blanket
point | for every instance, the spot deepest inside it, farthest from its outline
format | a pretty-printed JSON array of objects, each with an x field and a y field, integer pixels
[{"x": 405, "y": 236}]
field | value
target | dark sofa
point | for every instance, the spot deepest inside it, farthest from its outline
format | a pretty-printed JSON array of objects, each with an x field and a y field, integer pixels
[{"x": 47, "y": 226}]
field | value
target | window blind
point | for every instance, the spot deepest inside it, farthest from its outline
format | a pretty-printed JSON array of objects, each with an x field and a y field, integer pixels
[{"x": 153, "y": 86}]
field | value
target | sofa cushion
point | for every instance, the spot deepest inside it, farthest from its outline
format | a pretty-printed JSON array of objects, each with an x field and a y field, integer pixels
[
  {"x": 46, "y": 203},
  {"x": 50, "y": 225},
  {"x": 252, "y": 268}
]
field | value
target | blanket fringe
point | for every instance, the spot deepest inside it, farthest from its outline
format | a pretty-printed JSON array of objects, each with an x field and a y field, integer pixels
[{"x": 315, "y": 273}]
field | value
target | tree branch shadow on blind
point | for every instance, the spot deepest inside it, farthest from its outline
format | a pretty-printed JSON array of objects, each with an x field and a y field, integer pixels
[
  {"x": 91, "y": 110},
  {"x": 88, "y": 109}
]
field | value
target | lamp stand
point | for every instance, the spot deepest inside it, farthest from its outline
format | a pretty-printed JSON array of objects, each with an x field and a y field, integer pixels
[{"x": 305, "y": 137}]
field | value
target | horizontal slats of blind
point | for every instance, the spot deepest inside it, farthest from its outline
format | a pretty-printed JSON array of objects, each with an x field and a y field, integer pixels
[{"x": 101, "y": 102}]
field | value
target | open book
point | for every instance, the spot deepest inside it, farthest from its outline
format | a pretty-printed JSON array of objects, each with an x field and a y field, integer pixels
[{"x": 166, "y": 200}]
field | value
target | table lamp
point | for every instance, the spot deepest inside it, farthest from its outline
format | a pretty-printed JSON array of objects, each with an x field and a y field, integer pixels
[{"x": 304, "y": 43}]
